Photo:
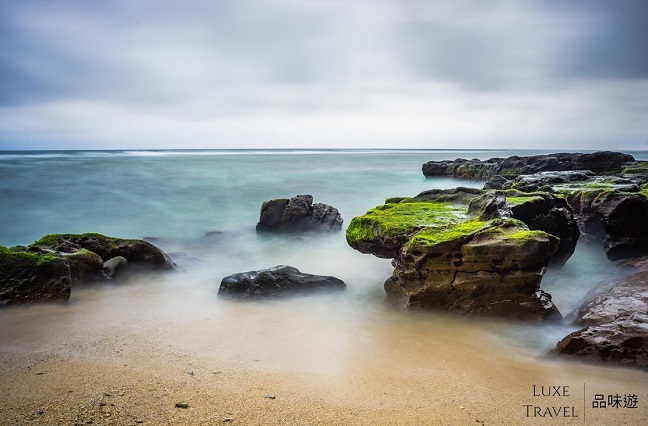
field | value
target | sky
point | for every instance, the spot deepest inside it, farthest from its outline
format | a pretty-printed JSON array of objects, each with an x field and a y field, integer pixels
[{"x": 160, "y": 74}]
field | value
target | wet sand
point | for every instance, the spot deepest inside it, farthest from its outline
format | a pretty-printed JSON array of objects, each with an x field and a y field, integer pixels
[{"x": 109, "y": 359}]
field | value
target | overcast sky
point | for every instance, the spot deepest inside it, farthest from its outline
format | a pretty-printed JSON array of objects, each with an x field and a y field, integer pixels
[{"x": 119, "y": 74}]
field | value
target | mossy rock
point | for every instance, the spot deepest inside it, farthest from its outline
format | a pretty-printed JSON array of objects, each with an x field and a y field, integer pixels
[
  {"x": 457, "y": 250},
  {"x": 382, "y": 230},
  {"x": 31, "y": 277},
  {"x": 138, "y": 252}
]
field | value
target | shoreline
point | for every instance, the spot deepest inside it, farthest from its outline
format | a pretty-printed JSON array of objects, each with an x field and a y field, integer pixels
[{"x": 110, "y": 375}]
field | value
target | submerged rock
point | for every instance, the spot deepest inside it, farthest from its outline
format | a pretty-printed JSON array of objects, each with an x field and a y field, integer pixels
[
  {"x": 298, "y": 214},
  {"x": 275, "y": 282},
  {"x": 29, "y": 277},
  {"x": 615, "y": 316},
  {"x": 461, "y": 251}
]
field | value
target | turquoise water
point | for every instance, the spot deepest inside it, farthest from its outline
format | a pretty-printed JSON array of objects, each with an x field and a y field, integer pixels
[{"x": 202, "y": 208}]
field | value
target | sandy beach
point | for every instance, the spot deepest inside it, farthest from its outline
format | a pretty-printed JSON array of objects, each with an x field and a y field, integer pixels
[{"x": 78, "y": 367}]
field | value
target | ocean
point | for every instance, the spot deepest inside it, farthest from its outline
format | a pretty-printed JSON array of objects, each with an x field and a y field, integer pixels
[{"x": 201, "y": 207}]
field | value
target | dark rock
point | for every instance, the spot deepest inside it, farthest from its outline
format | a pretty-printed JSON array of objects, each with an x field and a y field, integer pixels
[
  {"x": 615, "y": 316},
  {"x": 610, "y": 208},
  {"x": 48, "y": 268},
  {"x": 625, "y": 221},
  {"x": 298, "y": 214},
  {"x": 496, "y": 182},
  {"x": 599, "y": 162},
  {"x": 85, "y": 266},
  {"x": 549, "y": 213},
  {"x": 31, "y": 277},
  {"x": 276, "y": 282},
  {"x": 139, "y": 253}
]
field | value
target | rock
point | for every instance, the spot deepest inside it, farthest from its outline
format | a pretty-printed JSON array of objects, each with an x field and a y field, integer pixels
[
  {"x": 298, "y": 214},
  {"x": 549, "y": 213},
  {"x": 181, "y": 405},
  {"x": 276, "y": 282},
  {"x": 458, "y": 250},
  {"x": 85, "y": 266},
  {"x": 46, "y": 269},
  {"x": 115, "y": 266},
  {"x": 496, "y": 182},
  {"x": 611, "y": 208},
  {"x": 139, "y": 253},
  {"x": 599, "y": 162},
  {"x": 615, "y": 319},
  {"x": 31, "y": 277}
]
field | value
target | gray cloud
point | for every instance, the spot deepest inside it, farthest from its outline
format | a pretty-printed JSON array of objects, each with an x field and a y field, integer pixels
[{"x": 324, "y": 73}]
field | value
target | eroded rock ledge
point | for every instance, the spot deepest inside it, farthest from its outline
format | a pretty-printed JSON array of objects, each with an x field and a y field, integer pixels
[
  {"x": 605, "y": 162},
  {"x": 463, "y": 250}
]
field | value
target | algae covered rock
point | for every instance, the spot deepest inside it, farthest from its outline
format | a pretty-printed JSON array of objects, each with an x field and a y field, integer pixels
[
  {"x": 611, "y": 208},
  {"x": 458, "y": 250},
  {"x": 298, "y": 214},
  {"x": 30, "y": 277},
  {"x": 605, "y": 162},
  {"x": 139, "y": 253},
  {"x": 48, "y": 268}
]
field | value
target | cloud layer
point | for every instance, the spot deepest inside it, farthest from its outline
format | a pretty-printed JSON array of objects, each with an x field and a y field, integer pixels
[{"x": 376, "y": 74}]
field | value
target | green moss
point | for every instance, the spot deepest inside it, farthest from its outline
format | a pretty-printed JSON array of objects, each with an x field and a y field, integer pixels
[
  {"x": 644, "y": 190},
  {"x": 516, "y": 201},
  {"x": 400, "y": 219},
  {"x": 638, "y": 168},
  {"x": 433, "y": 236},
  {"x": 11, "y": 259},
  {"x": 55, "y": 239}
]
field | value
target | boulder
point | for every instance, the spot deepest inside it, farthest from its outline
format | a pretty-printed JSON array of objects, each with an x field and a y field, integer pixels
[
  {"x": 31, "y": 277},
  {"x": 459, "y": 250},
  {"x": 276, "y": 282},
  {"x": 298, "y": 214},
  {"x": 605, "y": 162},
  {"x": 615, "y": 319},
  {"x": 46, "y": 269},
  {"x": 139, "y": 253},
  {"x": 115, "y": 267}
]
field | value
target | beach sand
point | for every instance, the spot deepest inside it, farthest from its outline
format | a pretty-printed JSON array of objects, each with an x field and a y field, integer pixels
[{"x": 73, "y": 366}]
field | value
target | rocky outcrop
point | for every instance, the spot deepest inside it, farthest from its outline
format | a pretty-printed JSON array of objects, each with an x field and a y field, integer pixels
[
  {"x": 29, "y": 277},
  {"x": 605, "y": 162},
  {"x": 611, "y": 208},
  {"x": 615, "y": 319},
  {"x": 278, "y": 281},
  {"x": 48, "y": 268},
  {"x": 459, "y": 250},
  {"x": 298, "y": 214}
]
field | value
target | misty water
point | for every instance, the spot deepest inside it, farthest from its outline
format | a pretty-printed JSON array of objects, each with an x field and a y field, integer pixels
[{"x": 202, "y": 208}]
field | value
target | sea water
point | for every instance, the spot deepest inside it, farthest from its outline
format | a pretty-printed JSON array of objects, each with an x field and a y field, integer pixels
[{"x": 201, "y": 207}]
